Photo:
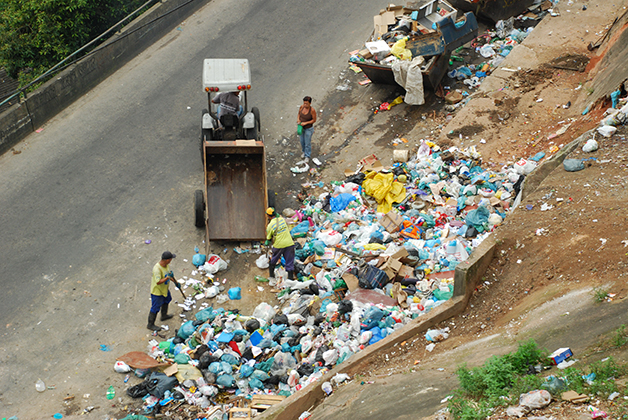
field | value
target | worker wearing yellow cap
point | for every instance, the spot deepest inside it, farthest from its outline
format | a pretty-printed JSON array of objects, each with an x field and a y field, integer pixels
[{"x": 278, "y": 232}]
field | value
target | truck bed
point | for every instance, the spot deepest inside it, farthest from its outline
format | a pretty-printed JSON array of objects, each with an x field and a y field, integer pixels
[{"x": 236, "y": 190}]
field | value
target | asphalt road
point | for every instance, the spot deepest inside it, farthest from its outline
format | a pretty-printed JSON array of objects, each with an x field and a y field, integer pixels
[{"x": 120, "y": 166}]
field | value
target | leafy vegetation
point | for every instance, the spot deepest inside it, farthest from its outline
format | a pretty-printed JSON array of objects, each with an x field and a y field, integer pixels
[
  {"x": 599, "y": 294},
  {"x": 37, "y": 34},
  {"x": 483, "y": 388},
  {"x": 501, "y": 380}
]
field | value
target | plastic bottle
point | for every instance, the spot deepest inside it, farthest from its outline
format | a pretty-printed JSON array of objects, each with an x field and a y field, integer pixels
[
  {"x": 261, "y": 279},
  {"x": 40, "y": 386},
  {"x": 111, "y": 392}
]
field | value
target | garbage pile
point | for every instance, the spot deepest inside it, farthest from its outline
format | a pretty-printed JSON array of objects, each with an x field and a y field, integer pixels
[{"x": 373, "y": 252}]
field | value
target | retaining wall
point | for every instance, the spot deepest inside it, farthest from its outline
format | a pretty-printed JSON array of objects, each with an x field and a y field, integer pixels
[{"x": 63, "y": 89}]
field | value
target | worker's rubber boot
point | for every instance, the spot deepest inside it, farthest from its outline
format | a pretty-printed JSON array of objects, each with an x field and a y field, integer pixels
[
  {"x": 152, "y": 316},
  {"x": 164, "y": 312},
  {"x": 291, "y": 275},
  {"x": 271, "y": 275}
]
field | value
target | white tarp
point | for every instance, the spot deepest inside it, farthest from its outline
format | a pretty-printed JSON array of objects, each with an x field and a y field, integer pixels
[{"x": 408, "y": 75}]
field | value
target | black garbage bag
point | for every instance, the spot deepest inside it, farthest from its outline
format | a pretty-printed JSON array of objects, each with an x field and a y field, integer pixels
[
  {"x": 305, "y": 370},
  {"x": 210, "y": 377},
  {"x": 317, "y": 321},
  {"x": 206, "y": 359},
  {"x": 345, "y": 306},
  {"x": 471, "y": 232},
  {"x": 319, "y": 354},
  {"x": 200, "y": 350},
  {"x": 160, "y": 383},
  {"x": 273, "y": 380},
  {"x": 252, "y": 324},
  {"x": 314, "y": 288},
  {"x": 280, "y": 319},
  {"x": 356, "y": 178},
  {"x": 139, "y": 390}
]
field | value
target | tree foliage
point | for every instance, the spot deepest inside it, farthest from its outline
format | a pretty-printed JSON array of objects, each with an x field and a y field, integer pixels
[{"x": 37, "y": 34}]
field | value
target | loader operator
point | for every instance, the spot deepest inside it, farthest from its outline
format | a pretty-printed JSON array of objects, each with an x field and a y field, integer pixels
[
  {"x": 229, "y": 104},
  {"x": 278, "y": 231}
]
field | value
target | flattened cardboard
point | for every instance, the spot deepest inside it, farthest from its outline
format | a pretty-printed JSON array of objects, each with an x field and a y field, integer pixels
[
  {"x": 171, "y": 370},
  {"x": 574, "y": 397},
  {"x": 351, "y": 280},
  {"x": 371, "y": 163}
]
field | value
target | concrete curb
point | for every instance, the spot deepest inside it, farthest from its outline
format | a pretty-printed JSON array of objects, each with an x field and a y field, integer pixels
[
  {"x": 62, "y": 90},
  {"x": 534, "y": 179}
]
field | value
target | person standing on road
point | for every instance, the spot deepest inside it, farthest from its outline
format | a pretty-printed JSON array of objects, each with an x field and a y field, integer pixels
[
  {"x": 277, "y": 231},
  {"x": 306, "y": 119},
  {"x": 159, "y": 293}
]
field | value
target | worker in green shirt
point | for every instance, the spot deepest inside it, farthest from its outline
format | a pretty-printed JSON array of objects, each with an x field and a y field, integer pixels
[{"x": 278, "y": 232}]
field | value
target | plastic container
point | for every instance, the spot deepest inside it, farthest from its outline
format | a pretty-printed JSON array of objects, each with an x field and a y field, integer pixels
[{"x": 40, "y": 386}]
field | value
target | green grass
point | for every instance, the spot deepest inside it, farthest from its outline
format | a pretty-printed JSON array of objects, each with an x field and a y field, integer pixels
[
  {"x": 599, "y": 294},
  {"x": 502, "y": 379},
  {"x": 620, "y": 337}
]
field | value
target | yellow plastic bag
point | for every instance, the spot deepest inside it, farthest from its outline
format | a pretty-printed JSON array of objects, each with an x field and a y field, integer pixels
[
  {"x": 400, "y": 51},
  {"x": 374, "y": 247},
  {"x": 384, "y": 190}
]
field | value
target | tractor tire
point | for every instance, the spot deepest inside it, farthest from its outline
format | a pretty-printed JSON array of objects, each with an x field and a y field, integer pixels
[
  {"x": 199, "y": 209},
  {"x": 255, "y": 112}
]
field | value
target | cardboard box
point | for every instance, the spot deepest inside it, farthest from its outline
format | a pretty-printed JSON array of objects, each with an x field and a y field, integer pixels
[
  {"x": 381, "y": 22},
  {"x": 561, "y": 355},
  {"x": 371, "y": 163},
  {"x": 405, "y": 272},
  {"x": 391, "y": 267},
  {"x": 391, "y": 221}
]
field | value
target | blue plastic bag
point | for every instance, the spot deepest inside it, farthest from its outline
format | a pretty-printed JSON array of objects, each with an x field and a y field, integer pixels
[
  {"x": 300, "y": 230},
  {"x": 230, "y": 358},
  {"x": 246, "y": 371},
  {"x": 235, "y": 293},
  {"x": 478, "y": 217},
  {"x": 206, "y": 314},
  {"x": 260, "y": 375},
  {"x": 226, "y": 381},
  {"x": 186, "y": 330},
  {"x": 340, "y": 202},
  {"x": 255, "y": 383}
]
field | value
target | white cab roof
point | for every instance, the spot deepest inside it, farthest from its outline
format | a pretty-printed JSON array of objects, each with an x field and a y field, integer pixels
[{"x": 226, "y": 73}]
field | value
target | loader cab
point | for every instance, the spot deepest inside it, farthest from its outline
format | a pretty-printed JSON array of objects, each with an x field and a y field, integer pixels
[{"x": 222, "y": 76}]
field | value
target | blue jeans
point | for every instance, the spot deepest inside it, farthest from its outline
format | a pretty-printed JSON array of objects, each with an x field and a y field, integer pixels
[
  {"x": 158, "y": 301},
  {"x": 288, "y": 254},
  {"x": 306, "y": 141}
]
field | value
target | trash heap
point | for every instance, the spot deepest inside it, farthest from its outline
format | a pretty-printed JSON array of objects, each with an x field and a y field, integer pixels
[
  {"x": 373, "y": 253},
  {"x": 493, "y": 46}
]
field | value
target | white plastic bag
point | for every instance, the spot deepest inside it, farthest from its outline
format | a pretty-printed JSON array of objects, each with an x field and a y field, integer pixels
[
  {"x": 264, "y": 311},
  {"x": 262, "y": 261},
  {"x": 535, "y": 399},
  {"x": 214, "y": 264},
  {"x": 607, "y": 130},
  {"x": 121, "y": 367},
  {"x": 590, "y": 146},
  {"x": 330, "y": 357}
]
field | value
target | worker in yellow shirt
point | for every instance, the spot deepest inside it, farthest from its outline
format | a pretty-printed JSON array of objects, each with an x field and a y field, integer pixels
[
  {"x": 278, "y": 232},
  {"x": 159, "y": 294}
]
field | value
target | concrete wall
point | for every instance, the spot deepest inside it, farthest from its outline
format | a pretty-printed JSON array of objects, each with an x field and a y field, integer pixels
[{"x": 55, "y": 95}]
